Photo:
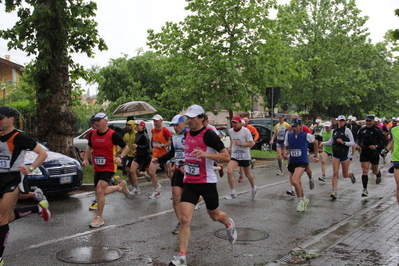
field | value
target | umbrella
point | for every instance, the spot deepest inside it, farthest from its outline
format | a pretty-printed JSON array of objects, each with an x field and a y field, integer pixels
[{"x": 134, "y": 108}]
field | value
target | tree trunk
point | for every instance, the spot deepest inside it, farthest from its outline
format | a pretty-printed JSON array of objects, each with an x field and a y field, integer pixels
[{"x": 56, "y": 122}]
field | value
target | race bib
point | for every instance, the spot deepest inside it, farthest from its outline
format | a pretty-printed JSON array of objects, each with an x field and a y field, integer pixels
[
  {"x": 238, "y": 154},
  {"x": 99, "y": 160},
  {"x": 179, "y": 154},
  {"x": 192, "y": 168},
  {"x": 5, "y": 162},
  {"x": 295, "y": 152}
]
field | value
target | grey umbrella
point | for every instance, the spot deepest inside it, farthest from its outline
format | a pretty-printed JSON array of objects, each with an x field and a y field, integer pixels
[{"x": 134, "y": 108}]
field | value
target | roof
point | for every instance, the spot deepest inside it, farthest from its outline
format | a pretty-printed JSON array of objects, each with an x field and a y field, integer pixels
[{"x": 10, "y": 64}]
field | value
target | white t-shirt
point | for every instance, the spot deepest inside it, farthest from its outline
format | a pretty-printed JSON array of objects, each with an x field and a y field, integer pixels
[{"x": 243, "y": 135}]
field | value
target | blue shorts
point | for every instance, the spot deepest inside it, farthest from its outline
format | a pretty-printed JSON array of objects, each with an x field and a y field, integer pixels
[
  {"x": 395, "y": 165},
  {"x": 329, "y": 154},
  {"x": 342, "y": 159}
]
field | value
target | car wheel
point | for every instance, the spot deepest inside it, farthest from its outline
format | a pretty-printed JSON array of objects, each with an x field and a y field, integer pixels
[{"x": 265, "y": 146}]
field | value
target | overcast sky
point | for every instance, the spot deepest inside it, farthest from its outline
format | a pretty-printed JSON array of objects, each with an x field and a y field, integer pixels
[{"x": 123, "y": 25}]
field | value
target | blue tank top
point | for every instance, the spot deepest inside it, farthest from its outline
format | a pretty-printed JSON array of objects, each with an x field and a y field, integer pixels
[{"x": 298, "y": 147}]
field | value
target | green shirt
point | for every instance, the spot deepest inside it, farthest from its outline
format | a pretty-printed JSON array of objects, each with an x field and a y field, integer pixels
[
  {"x": 395, "y": 135},
  {"x": 326, "y": 136}
]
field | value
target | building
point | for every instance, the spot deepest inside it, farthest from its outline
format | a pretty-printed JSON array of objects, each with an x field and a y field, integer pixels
[{"x": 9, "y": 74}]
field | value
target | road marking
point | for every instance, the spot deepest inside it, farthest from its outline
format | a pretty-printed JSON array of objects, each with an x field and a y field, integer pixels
[{"x": 69, "y": 237}]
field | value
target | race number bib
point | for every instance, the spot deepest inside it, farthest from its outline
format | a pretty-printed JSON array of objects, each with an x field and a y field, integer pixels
[
  {"x": 238, "y": 154},
  {"x": 192, "y": 168},
  {"x": 179, "y": 154},
  {"x": 5, "y": 162},
  {"x": 295, "y": 152},
  {"x": 99, "y": 160}
]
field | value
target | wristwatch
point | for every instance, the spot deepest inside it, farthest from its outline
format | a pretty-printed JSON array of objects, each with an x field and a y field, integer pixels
[{"x": 31, "y": 168}]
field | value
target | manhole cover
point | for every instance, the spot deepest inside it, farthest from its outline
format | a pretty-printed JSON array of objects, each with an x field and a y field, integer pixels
[
  {"x": 90, "y": 254},
  {"x": 244, "y": 234}
]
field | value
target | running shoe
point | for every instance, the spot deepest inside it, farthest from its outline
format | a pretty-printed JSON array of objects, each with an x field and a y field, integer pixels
[
  {"x": 155, "y": 194},
  {"x": 1, "y": 262},
  {"x": 124, "y": 188},
  {"x": 221, "y": 172},
  {"x": 45, "y": 213},
  {"x": 311, "y": 184},
  {"x": 280, "y": 172},
  {"x": 353, "y": 178},
  {"x": 97, "y": 222},
  {"x": 231, "y": 232},
  {"x": 333, "y": 195},
  {"x": 178, "y": 260},
  {"x": 136, "y": 191},
  {"x": 197, "y": 207},
  {"x": 254, "y": 192},
  {"x": 302, "y": 205},
  {"x": 39, "y": 196},
  {"x": 365, "y": 193},
  {"x": 93, "y": 206},
  {"x": 291, "y": 192},
  {"x": 176, "y": 230},
  {"x": 231, "y": 196},
  {"x": 323, "y": 179},
  {"x": 378, "y": 180},
  {"x": 116, "y": 180},
  {"x": 240, "y": 179},
  {"x": 253, "y": 163}
]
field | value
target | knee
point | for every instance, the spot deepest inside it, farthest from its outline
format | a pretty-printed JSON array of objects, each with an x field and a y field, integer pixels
[
  {"x": 176, "y": 199},
  {"x": 185, "y": 219}
]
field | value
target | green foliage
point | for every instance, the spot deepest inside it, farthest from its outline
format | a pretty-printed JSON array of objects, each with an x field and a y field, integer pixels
[
  {"x": 341, "y": 67},
  {"x": 222, "y": 55},
  {"x": 140, "y": 78}
]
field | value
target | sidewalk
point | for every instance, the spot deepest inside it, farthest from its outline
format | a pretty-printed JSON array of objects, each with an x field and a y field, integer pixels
[{"x": 369, "y": 238}]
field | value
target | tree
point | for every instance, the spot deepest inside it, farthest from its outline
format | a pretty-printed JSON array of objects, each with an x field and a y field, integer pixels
[
  {"x": 222, "y": 55},
  {"x": 329, "y": 39},
  {"x": 140, "y": 78},
  {"x": 52, "y": 29}
]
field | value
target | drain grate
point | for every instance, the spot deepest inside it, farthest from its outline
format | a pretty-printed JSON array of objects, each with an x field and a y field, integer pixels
[
  {"x": 244, "y": 234},
  {"x": 89, "y": 255}
]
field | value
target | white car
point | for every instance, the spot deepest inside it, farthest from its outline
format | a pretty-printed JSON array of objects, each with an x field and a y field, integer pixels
[{"x": 80, "y": 142}]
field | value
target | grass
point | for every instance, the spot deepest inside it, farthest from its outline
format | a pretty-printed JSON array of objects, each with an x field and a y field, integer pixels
[{"x": 263, "y": 154}]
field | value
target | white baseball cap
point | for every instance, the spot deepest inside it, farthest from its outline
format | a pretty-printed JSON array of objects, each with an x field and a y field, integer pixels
[
  {"x": 327, "y": 124},
  {"x": 354, "y": 118},
  {"x": 177, "y": 119},
  {"x": 194, "y": 110},
  {"x": 157, "y": 117},
  {"x": 341, "y": 117},
  {"x": 318, "y": 121}
]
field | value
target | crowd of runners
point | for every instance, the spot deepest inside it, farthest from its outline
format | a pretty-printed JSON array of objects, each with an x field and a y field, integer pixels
[{"x": 196, "y": 154}]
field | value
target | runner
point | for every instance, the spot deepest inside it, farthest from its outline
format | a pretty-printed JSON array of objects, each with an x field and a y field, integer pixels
[
  {"x": 371, "y": 141},
  {"x": 200, "y": 179},
  {"x": 240, "y": 145},
  {"x": 327, "y": 150},
  {"x": 160, "y": 139},
  {"x": 341, "y": 140},
  {"x": 176, "y": 151},
  {"x": 354, "y": 127},
  {"x": 102, "y": 145},
  {"x": 279, "y": 133},
  {"x": 255, "y": 136},
  {"x": 296, "y": 145}
]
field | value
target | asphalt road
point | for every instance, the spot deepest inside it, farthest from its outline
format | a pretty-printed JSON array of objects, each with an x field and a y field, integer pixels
[{"x": 141, "y": 228}]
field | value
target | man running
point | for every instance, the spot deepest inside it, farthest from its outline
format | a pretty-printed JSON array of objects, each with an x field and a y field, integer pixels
[
  {"x": 371, "y": 140},
  {"x": 327, "y": 150},
  {"x": 103, "y": 143},
  {"x": 279, "y": 135},
  {"x": 240, "y": 145},
  {"x": 296, "y": 145}
]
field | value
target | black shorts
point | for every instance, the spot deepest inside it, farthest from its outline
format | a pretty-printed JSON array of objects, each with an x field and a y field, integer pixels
[
  {"x": 242, "y": 163},
  {"x": 291, "y": 166},
  {"x": 372, "y": 157},
  {"x": 10, "y": 181},
  {"x": 105, "y": 176},
  {"x": 129, "y": 161},
  {"x": 318, "y": 138},
  {"x": 143, "y": 161},
  {"x": 192, "y": 192},
  {"x": 177, "y": 179}
]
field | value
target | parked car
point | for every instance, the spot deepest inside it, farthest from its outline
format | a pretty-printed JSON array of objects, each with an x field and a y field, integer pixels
[
  {"x": 264, "y": 121},
  {"x": 226, "y": 138},
  {"x": 57, "y": 175},
  {"x": 80, "y": 142},
  {"x": 265, "y": 135}
]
